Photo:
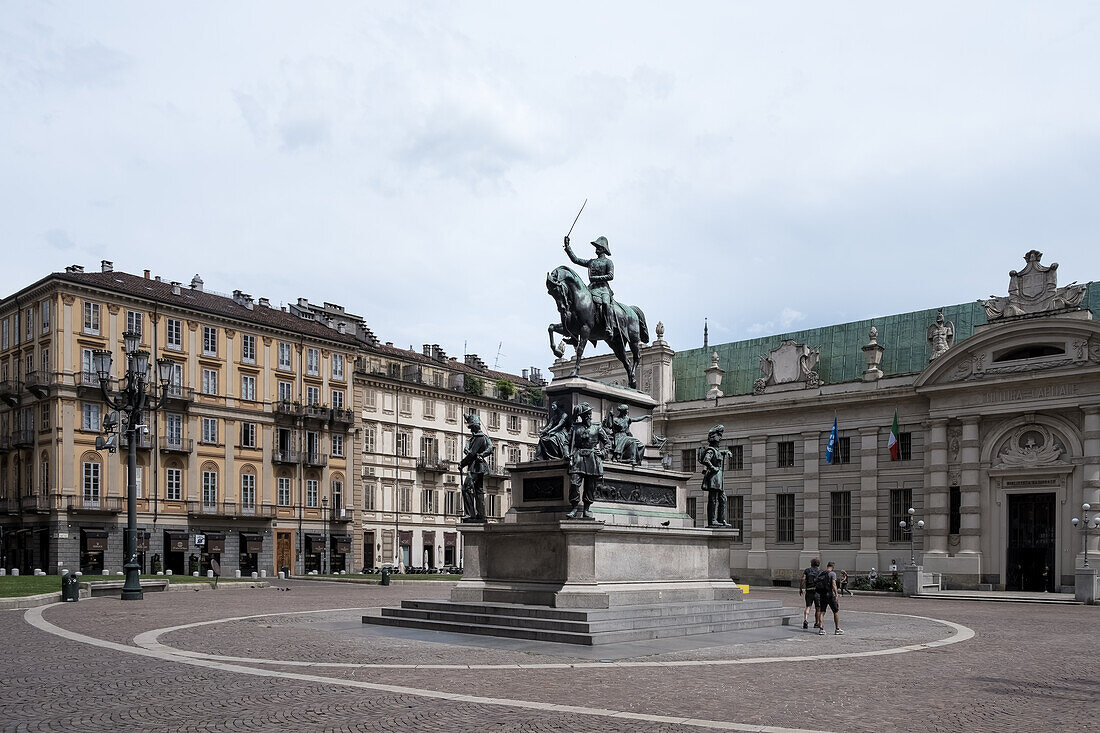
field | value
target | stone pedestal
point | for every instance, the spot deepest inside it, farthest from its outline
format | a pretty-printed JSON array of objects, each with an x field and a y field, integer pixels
[
  {"x": 1087, "y": 588},
  {"x": 565, "y": 563},
  {"x": 603, "y": 397}
]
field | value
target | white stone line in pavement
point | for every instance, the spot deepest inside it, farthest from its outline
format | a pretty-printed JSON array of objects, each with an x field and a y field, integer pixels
[
  {"x": 150, "y": 640},
  {"x": 35, "y": 618}
]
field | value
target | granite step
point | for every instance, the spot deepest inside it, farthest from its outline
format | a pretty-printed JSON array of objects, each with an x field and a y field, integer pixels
[
  {"x": 596, "y": 625},
  {"x": 587, "y": 626},
  {"x": 1057, "y": 599}
]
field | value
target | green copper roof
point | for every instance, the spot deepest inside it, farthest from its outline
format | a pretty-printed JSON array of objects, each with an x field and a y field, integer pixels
[{"x": 904, "y": 336}]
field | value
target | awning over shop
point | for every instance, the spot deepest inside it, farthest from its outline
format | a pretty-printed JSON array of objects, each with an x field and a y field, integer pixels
[
  {"x": 175, "y": 541},
  {"x": 215, "y": 543},
  {"x": 252, "y": 542},
  {"x": 315, "y": 543},
  {"x": 95, "y": 540},
  {"x": 341, "y": 545}
]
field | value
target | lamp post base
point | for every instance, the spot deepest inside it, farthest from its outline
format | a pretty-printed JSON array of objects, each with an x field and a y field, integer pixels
[{"x": 131, "y": 590}]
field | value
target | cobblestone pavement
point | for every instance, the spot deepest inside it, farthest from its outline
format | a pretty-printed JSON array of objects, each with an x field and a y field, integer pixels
[{"x": 1024, "y": 670}]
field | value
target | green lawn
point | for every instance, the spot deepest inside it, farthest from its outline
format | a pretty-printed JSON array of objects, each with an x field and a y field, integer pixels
[{"x": 31, "y": 585}]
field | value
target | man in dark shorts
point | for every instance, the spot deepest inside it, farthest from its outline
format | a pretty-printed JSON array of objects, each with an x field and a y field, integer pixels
[
  {"x": 806, "y": 583},
  {"x": 827, "y": 598}
]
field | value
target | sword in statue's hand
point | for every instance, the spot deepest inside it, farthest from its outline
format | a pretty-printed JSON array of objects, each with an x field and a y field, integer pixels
[{"x": 574, "y": 223}]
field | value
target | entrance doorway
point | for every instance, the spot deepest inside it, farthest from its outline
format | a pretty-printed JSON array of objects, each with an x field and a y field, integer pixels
[
  {"x": 368, "y": 551},
  {"x": 284, "y": 550},
  {"x": 1031, "y": 539}
]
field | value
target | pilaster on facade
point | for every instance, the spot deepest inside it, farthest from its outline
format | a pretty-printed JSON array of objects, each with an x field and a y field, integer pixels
[
  {"x": 938, "y": 496},
  {"x": 970, "y": 507},
  {"x": 758, "y": 552},
  {"x": 867, "y": 557},
  {"x": 1090, "y": 476},
  {"x": 811, "y": 498}
]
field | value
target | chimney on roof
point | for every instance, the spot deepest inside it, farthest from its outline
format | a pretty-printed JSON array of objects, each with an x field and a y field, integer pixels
[
  {"x": 438, "y": 354},
  {"x": 303, "y": 302},
  {"x": 158, "y": 279},
  {"x": 390, "y": 344},
  {"x": 147, "y": 275},
  {"x": 265, "y": 302},
  {"x": 524, "y": 372},
  {"x": 196, "y": 283},
  {"x": 175, "y": 287},
  {"x": 428, "y": 350},
  {"x": 75, "y": 268},
  {"x": 242, "y": 299},
  {"x": 106, "y": 266},
  {"x": 342, "y": 327},
  {"x": 474, "y": 361}
]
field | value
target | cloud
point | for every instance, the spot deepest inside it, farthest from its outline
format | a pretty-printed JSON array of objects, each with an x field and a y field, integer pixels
[
  {"x": 783, "y": 322},
  {"x": 59, "y": 239}
]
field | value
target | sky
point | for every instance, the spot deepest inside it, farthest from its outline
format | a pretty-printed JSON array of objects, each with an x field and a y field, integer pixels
[{"x": 766, "y": 166}]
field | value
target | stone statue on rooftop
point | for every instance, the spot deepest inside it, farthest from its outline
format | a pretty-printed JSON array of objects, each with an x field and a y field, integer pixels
[
  {"x": 1034, "y": 291},
  {"x": 941, "y": 335}
]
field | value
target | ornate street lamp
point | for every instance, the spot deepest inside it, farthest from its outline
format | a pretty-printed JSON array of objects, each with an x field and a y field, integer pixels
[
  {"x": 909, "y": 528},
  {"x": 135, "y": 395},
  {"x": 1086, "y": 525}
]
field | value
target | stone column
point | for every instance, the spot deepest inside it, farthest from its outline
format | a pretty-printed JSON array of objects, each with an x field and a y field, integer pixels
[
  {"x": 971, "y": 508},
  {"x": 937, "y": 505},
  {"x": 811, "y": 498},
  {"x": 758, "y": 554},
  {"x": 1090, "y": 485},
  {"x": 867, "y": 557}
]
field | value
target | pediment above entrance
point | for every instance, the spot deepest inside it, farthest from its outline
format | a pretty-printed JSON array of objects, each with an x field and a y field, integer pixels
[{"x": 1036, "y": 346}]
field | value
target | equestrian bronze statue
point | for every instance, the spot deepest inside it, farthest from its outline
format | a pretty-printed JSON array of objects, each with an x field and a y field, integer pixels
[{"x": 590, "y": 314}]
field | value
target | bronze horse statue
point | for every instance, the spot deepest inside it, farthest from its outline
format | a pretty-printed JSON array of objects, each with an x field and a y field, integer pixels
[{"x": 579, "y": 322}]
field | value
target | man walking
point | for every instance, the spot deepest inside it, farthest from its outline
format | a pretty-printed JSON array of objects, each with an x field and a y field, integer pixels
[
  {"x": 826, "y": 597},
  {"x": 807, "y": 583}
]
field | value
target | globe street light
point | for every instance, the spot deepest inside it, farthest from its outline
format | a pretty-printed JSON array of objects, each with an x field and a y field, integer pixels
[
  {"x": 909, "y": 528},
  {"x": 1086, "y": 526},
  {"x": 133, "y": 397}
]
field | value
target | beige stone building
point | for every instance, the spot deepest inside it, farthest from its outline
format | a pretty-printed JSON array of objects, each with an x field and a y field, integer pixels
[
  {"x": 249, "y": 462},
  {"x": 998, "y": 406},
  {"x": 411, "y": 435}
]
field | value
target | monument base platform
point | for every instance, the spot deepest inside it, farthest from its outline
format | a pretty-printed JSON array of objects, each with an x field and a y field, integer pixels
[{"x": 586, "y": 626}]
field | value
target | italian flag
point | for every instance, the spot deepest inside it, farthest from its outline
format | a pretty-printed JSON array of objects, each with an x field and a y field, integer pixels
[{"x": 893, "y": 441}]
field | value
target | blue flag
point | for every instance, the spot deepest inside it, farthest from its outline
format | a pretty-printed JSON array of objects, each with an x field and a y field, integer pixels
[{"x": 830, "y": 450}]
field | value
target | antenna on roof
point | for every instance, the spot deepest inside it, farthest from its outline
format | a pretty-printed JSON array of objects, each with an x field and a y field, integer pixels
[
  {"x": 704, "y": 332},
  {"x": 496, "y": 364}
]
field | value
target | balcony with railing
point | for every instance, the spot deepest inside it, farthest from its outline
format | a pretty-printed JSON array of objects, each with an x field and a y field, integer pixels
[
  {"x": 230, "y": 510},
  {"x": 209, "y": 508},
  {"x": 35, "y": 503},
  {"x": 5, "y": 443},
  {"x": 179, "y": 396},
  {"x": 432, "y": 464},
  {"x": 342, "y": 416},
  {"x": 88, "y": 382},
  {"x": 169, "y": 444},
  {"x": 144, "y": 440},
  {"x": 287, "y": 410},
  {"x": 12, "y": 505},
  {"x": 39, "y": 383},
  {"x": 9, "y": 392},
  {"x": 315, "y": 458},
  {"x": 347, "y": 514},
  {"x": 22, "y": 438},
  {"x": 260, "y": 511},
  {"x": 316, "y": 412},
  {"x": 89, "y": 503},
  {"x": 286, "y": 455}
]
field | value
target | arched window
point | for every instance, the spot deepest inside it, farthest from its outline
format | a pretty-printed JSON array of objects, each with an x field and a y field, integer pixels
[
  {"x": 91, "y": 471},
  {"x": 44, "y": 473},
  {"x": 1030, "y": 351},
  {"x": 248, "y": 489},
  {"x": 173, "y": 480},
  {"x": 337, "y": 491},
  {"x": 209, "y": 485}
]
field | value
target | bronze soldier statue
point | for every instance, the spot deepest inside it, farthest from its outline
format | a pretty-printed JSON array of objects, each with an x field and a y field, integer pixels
[
  {"x": 625, "y": 447},
  {"x": 478, "y": 448},
  {"x": 601, "y": 271},
  {"x": 554, "y": 438},
  {"x": 586, "y": 447},
  {"x": 711, "y": 460}
]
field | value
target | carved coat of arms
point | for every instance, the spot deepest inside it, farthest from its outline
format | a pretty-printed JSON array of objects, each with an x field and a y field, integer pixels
[
  {"x": 790, "y": 362},
  {"x": 1034, "y": 290}
]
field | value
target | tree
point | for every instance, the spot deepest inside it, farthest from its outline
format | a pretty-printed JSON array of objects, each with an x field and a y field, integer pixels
[
  {"x": 474, "y": 385},
  {"x": 506, "y": 389},
  {"x": 533, "y": 395}
]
